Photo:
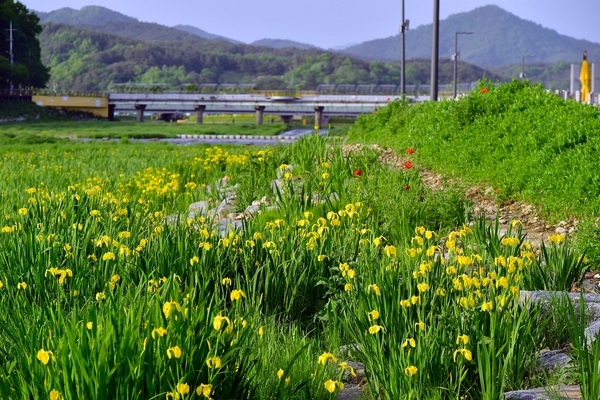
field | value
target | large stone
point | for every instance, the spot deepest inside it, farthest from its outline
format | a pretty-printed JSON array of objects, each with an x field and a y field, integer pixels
[
  {"x": 227, "y": 225},
  {"x": 351, "y": 391},
  {"x": 591, "y": 301},
  {"x": 200, "y": 207},
  {"x": 226, "y": 206},
  {"x": 553, "y": 359},
  {"x": 562, "y": 392},
  {"x": 252, "y": 210}
]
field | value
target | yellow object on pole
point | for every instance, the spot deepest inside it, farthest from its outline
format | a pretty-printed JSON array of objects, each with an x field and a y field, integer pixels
[{"x": 584, "y": 77}]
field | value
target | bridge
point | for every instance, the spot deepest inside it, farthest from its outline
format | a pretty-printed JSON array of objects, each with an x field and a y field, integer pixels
[
  {"x": 286, "y": 106},
  {"x": 326, "y": 101}
]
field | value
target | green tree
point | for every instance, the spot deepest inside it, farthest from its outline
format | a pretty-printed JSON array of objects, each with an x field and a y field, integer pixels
[{"x": 27, "y": 68}]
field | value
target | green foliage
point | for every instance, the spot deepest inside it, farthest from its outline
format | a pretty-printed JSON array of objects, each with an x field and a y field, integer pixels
[
  {"x": 27, "y": 69},
  {"x": 58, "y": 125}
]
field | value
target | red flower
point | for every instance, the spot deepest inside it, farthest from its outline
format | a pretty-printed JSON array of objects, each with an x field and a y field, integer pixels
[
  {"x": 410, "y": 150},
  {"x": 357, "y": 172},
  {"x": 406, "y": 187},
  {"x": 408, "y": 165},
  {"x": 483, "y": 90}
]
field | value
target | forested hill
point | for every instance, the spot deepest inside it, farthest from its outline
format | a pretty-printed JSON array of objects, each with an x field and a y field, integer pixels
[
  {"x": 499, "y": 38},
  {"x": 86, "y": 60},
  {"x": 86, "y": 16},
  {"x": 101, "y": 19},
  {"x": 203, "y": 34},
  {"x": 281, "y": 43}
]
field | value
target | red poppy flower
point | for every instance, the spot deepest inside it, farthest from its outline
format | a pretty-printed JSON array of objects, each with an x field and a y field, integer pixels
[
  {"x": 406, "y": 187},
  {"x": 410, "y": 150},
  {"x": 357, "y": 172},
  {"x": 483, "y": 90},
  {"x": 408, "y": 165}
]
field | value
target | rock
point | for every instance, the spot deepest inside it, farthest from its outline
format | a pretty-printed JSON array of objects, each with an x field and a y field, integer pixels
[
  {"x": 226, "y": 206},
  {"x": 553, "y": 359},
  {"x": 226, "y": 225},
  {"x": 265, "y": 200},
  {"x": 589, "y": 287},
  {"x": 562, "y": 230},
  {"x": 277, "y": 186},
  {"x": 549, "y": 393},
  {"x": 199, "y": 207},
  {"x": 252, "y": 210},
  {"x": 235, "y": 216},
  {"x": 592, "y": 331},
  {"x": 491, "y": 210},
  {"x": 173, "y": 219},
  {"x": 350, "y": 392}
]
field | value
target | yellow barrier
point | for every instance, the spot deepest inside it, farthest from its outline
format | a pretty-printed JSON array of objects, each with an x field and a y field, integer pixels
[{"x": 94, "y": 105}]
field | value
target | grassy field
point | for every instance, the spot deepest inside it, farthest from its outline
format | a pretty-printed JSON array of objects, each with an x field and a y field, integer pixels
[
  {"x": 111, "y": 289},
  {"x": 524, "y": 142},
  {"x": 46, "y": 123}
]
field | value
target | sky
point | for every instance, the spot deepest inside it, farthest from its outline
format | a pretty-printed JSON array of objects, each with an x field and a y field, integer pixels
[{"x": 332, "y": 23}]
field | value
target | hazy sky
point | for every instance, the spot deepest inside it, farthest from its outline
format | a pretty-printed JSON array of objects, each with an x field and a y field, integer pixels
[{"x": 333, "y": 23}]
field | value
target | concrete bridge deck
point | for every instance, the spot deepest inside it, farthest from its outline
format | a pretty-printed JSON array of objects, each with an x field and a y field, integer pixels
[{"x": 284, "y": 106}]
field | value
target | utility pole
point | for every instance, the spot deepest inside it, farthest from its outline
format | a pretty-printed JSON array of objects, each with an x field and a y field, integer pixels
[
  {"x": 523, "y": 65},
  {"x": 11, "y": 54},
  {"x": 403, "y": 29},
  {"x": 456, "y": 59},
  {"x": 435, "y": 51}
]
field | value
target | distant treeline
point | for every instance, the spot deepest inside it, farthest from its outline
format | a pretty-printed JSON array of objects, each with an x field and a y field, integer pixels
[{"x": 85, "y": 60}]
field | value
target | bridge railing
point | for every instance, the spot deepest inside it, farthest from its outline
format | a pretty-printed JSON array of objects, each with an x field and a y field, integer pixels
[{"x": 248, "y": 89}]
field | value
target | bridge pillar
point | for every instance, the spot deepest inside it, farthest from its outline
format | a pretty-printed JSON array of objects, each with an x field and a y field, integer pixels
[
  {"x": 200, "y": 113},
  {"x": 259, "y": 114},
  {"x": 140, "y": 112},
  {"x": 318, "y": 116},
  {"x": 111, "y": 112},
  {"x": 286, "y": 119}
]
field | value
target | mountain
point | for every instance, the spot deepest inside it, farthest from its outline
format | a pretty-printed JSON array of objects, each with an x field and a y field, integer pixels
[
  {"x": 281, "y": 44},
  {"x": 86, "y": 16},
  {"x": 102, "y": 19},
  {"x": 499, "y": 38},
  {"x": 203, "y": 34}
]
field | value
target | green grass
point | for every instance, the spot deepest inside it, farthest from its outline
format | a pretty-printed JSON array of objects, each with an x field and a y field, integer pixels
[
  {"x": 523, "y": 141},
  {"x": 44, "y": 123},
  {"x": 133, "y": 129}
]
